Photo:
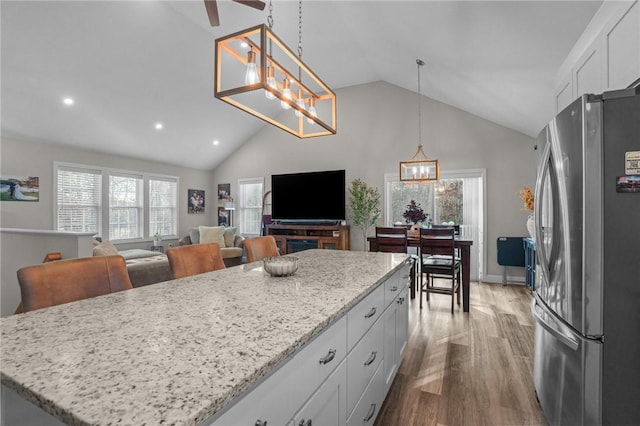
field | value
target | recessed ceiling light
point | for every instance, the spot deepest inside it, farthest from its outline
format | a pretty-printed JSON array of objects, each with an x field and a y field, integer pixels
[
  {"x": 67, "y": 101},
  {"x": 159, "y": 126},
  {"x": 215, "y": 142}
]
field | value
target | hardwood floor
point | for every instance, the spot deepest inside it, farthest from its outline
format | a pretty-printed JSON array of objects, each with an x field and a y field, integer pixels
[{"x": 467, "y": 369}]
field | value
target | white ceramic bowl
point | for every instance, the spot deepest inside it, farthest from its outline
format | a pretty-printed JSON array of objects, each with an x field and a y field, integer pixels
[{"x": 281, "y": 266}]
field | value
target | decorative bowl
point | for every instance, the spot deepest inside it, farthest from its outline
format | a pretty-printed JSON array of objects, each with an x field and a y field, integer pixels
[{"x": 281, "y": 266}]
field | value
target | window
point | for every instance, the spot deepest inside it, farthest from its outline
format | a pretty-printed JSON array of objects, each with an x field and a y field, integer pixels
[
  {"x": 249, "y": 205},
  {"x": 457, "y": 197},
  {"x": 114, "y": 203},
  {"x": 79, "y": 200},
  {"x": 163, "y": 207}
]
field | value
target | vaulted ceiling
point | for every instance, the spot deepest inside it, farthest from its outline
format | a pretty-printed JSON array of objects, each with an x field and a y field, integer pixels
[{"x": 129, "y": 65}]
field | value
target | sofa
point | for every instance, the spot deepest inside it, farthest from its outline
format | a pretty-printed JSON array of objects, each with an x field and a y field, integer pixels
[
  {"x": 231, "y": 243},
  {"x": 144, "y": 266}
]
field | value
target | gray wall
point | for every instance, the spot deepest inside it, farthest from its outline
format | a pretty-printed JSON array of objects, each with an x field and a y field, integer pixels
[
  {"x": 377, "y": 128},
  {"x": 23, "y": 158}
]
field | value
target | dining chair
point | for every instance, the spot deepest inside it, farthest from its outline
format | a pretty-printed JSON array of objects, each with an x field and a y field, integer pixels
[
  {"x": 194, "y": 259},
  {"x": 63, "y": 281},
  {"x": 438, "y": 261},
  {"x": 391, "y": 240},
  {"x": 258, "y": 248}
]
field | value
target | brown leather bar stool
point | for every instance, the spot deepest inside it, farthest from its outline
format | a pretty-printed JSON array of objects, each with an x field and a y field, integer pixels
[
  {"x": 64, "y": 281},
  {"x": 194, "y": 259},
  {"x": 260, "y": 247}
]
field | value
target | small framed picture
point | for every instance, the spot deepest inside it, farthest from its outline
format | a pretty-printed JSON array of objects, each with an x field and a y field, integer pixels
[
  {"x": 223, "y": 217},
  {"x": 224, "y": 191},
  {"x": 195, "y": 200},
  {"x": 19, "y": 188}
]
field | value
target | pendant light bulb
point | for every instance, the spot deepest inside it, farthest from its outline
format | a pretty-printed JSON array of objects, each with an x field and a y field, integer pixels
[
  {"x": 271, "y": 82},
  {"x": 251, "y": 76},
  {"x": 312, "y": 110},
  {"x": 286, "y": 92},
  {"x": 300, "y": 103}
]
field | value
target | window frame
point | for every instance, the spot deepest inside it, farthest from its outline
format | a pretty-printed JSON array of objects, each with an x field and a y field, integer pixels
[
  {"x": 145, "y": 232},
  {"x": 240, "y": 208}
]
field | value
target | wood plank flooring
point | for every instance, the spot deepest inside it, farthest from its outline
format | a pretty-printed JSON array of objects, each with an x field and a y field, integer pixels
[{"x": 467, "y": 369}]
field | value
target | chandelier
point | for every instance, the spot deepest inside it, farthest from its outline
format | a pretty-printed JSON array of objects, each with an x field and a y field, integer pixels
[
  {"x": 256, "y": 72},
  {"x": 419, "y": 168}
]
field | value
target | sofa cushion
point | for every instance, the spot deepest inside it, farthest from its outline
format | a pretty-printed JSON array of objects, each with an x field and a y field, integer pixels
[
  {"x": 105, "y": 248},
  {"x": 194, "y": 234},
  {"x": 229, "y": 236},
  {"x": 230, "y": 252},
  {"x": 212, "y": 234}
]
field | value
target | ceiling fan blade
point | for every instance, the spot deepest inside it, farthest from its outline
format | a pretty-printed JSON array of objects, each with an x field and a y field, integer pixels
[
  {"x": 212, "y": 12},
  {"x": 256, "y": 4}
]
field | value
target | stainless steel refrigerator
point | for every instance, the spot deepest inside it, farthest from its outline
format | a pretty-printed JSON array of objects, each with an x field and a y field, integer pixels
[{"x": 587, "y": 297}]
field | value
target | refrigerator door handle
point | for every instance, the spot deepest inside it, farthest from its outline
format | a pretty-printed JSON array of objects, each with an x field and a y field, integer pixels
[
  {"x": 568, "y": 340},
  {"x": 542, "y": 254}
]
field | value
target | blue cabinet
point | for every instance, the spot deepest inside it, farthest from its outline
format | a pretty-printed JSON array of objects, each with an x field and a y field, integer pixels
[{"x": 530, "y": 262}]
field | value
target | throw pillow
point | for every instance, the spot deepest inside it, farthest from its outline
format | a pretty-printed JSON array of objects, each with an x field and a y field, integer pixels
[
  {"x": 194, "y": 234},
  {"x": 212, "y": 234},
  {"x": 229, "y": 236},
  {"x": 105, "y": 248}
]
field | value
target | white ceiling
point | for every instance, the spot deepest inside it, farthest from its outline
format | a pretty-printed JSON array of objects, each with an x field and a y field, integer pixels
[{"x": 131, "y": 64}]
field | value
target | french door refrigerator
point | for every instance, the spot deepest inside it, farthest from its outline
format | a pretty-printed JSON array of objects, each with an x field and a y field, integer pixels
[{"x": 587, "y": 299}]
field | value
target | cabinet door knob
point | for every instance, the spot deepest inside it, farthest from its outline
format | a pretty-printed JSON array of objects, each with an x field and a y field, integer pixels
[
  {"x": 260, "y": 423},
  {"x": 371, "y": 313},
  {"x": 372, "y": 358},
  {"x": 372, "y": 411},
  {"x": 303, "y": 423},
  {"x": 329, "y": 357}
]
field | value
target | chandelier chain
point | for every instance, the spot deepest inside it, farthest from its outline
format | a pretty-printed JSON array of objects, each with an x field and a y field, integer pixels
[
  {"x": 420, "y": 63},
  {"x": 270, "y": 17},
  {"x": 300, "y": 29}
]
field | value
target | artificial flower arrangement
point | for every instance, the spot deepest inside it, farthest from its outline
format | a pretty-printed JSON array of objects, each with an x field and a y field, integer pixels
[
  {"x": 527, "y": 197},
  {"x": 414, "y": 213}
]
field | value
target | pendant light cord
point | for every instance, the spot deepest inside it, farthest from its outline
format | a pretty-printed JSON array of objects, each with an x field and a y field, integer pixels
[{"x": 420, "y": 63}]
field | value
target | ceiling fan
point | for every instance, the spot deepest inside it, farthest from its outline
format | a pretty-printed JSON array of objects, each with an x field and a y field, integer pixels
[{"x": 212, "y": 9}]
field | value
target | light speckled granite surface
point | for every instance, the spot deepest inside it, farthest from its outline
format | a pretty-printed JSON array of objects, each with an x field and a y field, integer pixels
[{"x": 177, "y": 352}]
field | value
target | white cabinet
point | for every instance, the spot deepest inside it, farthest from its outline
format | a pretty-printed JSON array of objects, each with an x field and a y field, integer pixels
[
  {"x": 328, "y": 405},
  {"x": 606, "y": 57},
  {"x": 341, "y": 377}
]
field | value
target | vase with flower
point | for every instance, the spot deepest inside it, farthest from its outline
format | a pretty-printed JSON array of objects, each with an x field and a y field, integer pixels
[
  {"x": 527, "y": 196},
  {"x": 414, "y": 214}
]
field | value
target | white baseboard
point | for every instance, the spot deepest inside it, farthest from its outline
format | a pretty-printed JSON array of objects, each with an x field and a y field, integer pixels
[{"x": 498, "y": 279}]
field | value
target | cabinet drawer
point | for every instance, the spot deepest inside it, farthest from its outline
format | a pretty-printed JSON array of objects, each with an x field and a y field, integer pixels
[
  {"x": 364, "y": 315},
  {"x": 277, "y": 398},
  {"x": 369, "y": 405},
  {"x": 362, "y": 363},
  {"x": 396, "y": 283}
]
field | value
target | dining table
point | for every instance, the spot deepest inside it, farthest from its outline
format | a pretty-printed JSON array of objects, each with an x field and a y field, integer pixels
[{"x": 463, "y": 245}]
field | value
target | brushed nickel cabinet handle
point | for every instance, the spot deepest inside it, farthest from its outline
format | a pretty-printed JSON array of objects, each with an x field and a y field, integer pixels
[
  {"x": 372, "y": 358},
  {"x": 260, "y": 423},
  {"x": 372, "y": 411},
  {"x": 329, "y": 357},
  {"x": 371, "y": 313},
  {"x": 394, "y": 288},
  {"x": 303, "y": 423}
]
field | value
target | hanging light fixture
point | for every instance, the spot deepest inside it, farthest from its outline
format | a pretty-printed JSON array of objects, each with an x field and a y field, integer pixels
[
  {"x": 419, "y": 168},
  {"x": 254, "y": 79}
]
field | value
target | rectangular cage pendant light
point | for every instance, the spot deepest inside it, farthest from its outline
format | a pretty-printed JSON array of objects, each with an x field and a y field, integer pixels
[
  {"x": 256, "y": 72},
  {"x": 419, "y": 169}
]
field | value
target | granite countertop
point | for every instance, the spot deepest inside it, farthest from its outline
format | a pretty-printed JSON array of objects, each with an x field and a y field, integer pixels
[{"x": 177, "y": 352}]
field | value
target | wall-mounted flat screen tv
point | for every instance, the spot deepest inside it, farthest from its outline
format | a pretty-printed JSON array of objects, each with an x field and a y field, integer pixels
[{"x": 308, "y": 197}]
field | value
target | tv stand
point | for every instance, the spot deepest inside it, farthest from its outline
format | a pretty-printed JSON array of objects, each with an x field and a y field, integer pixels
[{"x": 292, "y": 238}]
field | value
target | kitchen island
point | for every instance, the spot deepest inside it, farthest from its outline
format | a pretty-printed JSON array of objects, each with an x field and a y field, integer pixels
[{"x": 185, "y": 351}]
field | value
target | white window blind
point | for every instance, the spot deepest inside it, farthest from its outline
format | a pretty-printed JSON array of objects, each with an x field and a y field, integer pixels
[
  {"x": 249, "y": 205},
  {"x": 163, "y": 207},
  {"x": 78, "y": 199},
  {"x": 125, "y": 207}
]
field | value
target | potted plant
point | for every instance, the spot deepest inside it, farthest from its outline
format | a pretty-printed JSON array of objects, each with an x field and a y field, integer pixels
[
  {"x": 157, "y": 239},
  {"x": 364, "y": 203},
  {"x": 414, "y": 214}
]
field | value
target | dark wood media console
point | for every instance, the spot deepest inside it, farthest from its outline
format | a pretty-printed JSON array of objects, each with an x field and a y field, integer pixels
[{"x": 292, "y": 238}]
